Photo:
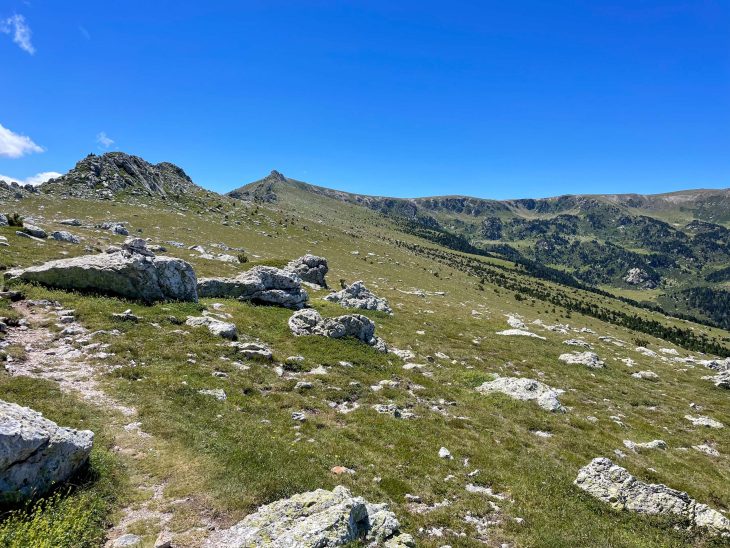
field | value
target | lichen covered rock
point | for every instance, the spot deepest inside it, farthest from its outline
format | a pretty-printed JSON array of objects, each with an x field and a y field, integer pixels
[
  {"x": 261, "y": 284},
  {"x": 310, "y": 322},
  {"x": 36, "y": 453},
  {"x": 317, "y": 519},
  {"x": 616, "y": 486}
]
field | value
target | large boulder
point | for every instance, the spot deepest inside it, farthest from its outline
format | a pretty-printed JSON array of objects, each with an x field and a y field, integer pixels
[
  {"x": 36, "y": 453},
  {"x": 261, "y": 284},
  {"x": 220, "y": 328},
  {"x": 35, "y": 231},
  {"x": 132, "y": 272},
  {"x": 3, "y": 219},
  {"x": 614, "y": 485},
  {"x": 317, "y": 519},
  {"x": 64, "y": 236},
  {"x": 589, "y": 359},
  {"x": 310, "y": 268},
  {"x": 359, "y": 296},
  {"x": 310, "y": 322},
  {"x": 526, "y": 390}
]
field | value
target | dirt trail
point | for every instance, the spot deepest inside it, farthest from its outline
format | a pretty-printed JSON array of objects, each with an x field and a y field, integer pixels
[{"x": 71, "y": 359}]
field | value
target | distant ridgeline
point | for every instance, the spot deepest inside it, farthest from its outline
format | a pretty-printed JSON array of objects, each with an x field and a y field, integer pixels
[{"x": 667, "y": 252}]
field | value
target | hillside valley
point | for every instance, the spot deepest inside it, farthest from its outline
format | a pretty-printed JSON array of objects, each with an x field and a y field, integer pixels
[{"x": 230, "y": 366}]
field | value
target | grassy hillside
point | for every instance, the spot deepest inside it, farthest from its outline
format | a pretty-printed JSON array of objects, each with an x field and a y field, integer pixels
[{"x": 230, "y": 456}]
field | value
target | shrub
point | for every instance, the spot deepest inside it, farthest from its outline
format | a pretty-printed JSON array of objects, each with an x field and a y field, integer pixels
[
  {"x": 242, "y": 258},
  {"x": 14, "y": 219}
]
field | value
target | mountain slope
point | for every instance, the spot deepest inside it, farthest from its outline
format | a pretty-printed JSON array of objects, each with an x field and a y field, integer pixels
[
  {"x": 664, "y": 249},
  {"x": 117, "y": 173}
]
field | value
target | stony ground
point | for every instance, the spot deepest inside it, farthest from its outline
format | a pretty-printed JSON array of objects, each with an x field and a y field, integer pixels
[{"x": 457, "y": 465}]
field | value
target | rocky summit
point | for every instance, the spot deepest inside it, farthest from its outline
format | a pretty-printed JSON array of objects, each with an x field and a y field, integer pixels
[
  {"x": 292, "y": 365},
  {"x": 116, "y": 172}
]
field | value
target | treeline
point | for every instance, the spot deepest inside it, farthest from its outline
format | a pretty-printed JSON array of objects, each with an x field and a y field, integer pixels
[{"x": 503, "y": 277}]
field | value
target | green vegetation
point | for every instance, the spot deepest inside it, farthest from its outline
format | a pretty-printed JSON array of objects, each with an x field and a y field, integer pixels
[{"x": 228, "y": 457}]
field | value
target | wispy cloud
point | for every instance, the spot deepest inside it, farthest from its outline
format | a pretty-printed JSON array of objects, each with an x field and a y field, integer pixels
[
  {"x": 104, "y": 140},
  {"x": 85, "y": 33},
  {"x": 35, "y": 180},
  {"x": 20, "y": 30},
  {"x": 13, "y": 145}
]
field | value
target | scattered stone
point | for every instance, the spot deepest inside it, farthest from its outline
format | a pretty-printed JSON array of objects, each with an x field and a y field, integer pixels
[
  {"x": 127, "y": 541},
  {"x": 217, "y": 393},
  {"x": 525, "y": 390},
  {"x": 216, "y": 327},
  {"x": 63, "y": 236},
  {"x": 339, "y": 470},
  {"x": 359, "y": 296},
  {"x": 36, "y": 453},
  {"x": 520, "y": 333},
  {"x": 515, "y": 322},
  {"x": 699, "y": 420},
  {"x": 253, "y": 350},
  {"x": 707, "y": 450},
  {"x": 126, "y": 316},
  {"x": 34, "y": 231},
  {"x": 303, "y": 385},
  {"x": 577, "y": 342},
  {"x": 589, "y": 359},
  {"x": 309, "y": 322},
  {"x": 445, "y": 454},
  {"x": 615, "y": 485},
  {"x": 655, "y": 444},
  {"x": 70, "y": 222},
  {"x": 405, "y": 355},
  {"x": 133, "y": 272},
  {"x": 648, "y": 375},
  {"x": 119, "y": 230},
  {"x": 298, "y": 416},
  {"x": 3, "y": 219},
  {"x": 316, "y": 519},
  {"x": 310, "y": 268},
  {"x": 721, "y": 380},
  {"x": 261, "y": 284},
  {"x": 542, "y": 434}
]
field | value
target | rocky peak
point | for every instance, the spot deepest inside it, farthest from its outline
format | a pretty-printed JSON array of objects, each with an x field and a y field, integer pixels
[{"x": 115, "y": 172}]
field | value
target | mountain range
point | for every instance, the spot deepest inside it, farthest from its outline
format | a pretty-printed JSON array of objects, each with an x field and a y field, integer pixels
[{"x": 670, "y": 251}]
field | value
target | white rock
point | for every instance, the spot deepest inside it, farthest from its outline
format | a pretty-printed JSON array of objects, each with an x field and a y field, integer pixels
[
  {"x": 36, "y": 453},
  {"x": 526, "y": 390},
  {"x": 616, "y": 486}
]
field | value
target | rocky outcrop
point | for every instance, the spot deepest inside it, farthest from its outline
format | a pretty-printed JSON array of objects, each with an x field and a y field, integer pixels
[
  {"x": 310, "y": 322},
  {"x": 36, "y": 453},
  {"x": 637, "y": 276},
  {"x": 526, "y": 390},
  {"x": 589, "y": 359},
  {"x": 216, "y": 327},
  {"x": 359, "y": 296},
  {"x": 3, "y": 219},
  {"x": 35, "y": 231},
  {"x": 63, "y": 236},
  {"x": 261, "y": 284},
  {"x": 132, "y": 272},
  {"x": 113, "y": 172},
  {"x": 317, "y": 519},
  {"x": 614, "y": 485},
  {"x": 311, "y": 269}
]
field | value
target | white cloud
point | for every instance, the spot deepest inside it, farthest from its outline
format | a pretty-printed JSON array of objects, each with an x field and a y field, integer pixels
[
  {"x": 17, "y": 26},
  {"x": 13, "y": 145},
  {"x": 35, "y": 180},
  {"x": 104, "y": 140}
]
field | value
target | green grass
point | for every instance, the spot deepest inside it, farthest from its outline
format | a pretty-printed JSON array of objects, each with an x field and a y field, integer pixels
[
  {"x": 76, "y": 514},
  {"x": 235, "y": 455}
]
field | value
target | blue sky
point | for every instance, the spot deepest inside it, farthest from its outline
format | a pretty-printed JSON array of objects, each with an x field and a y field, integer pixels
[{"x": 485, "y": 98}]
